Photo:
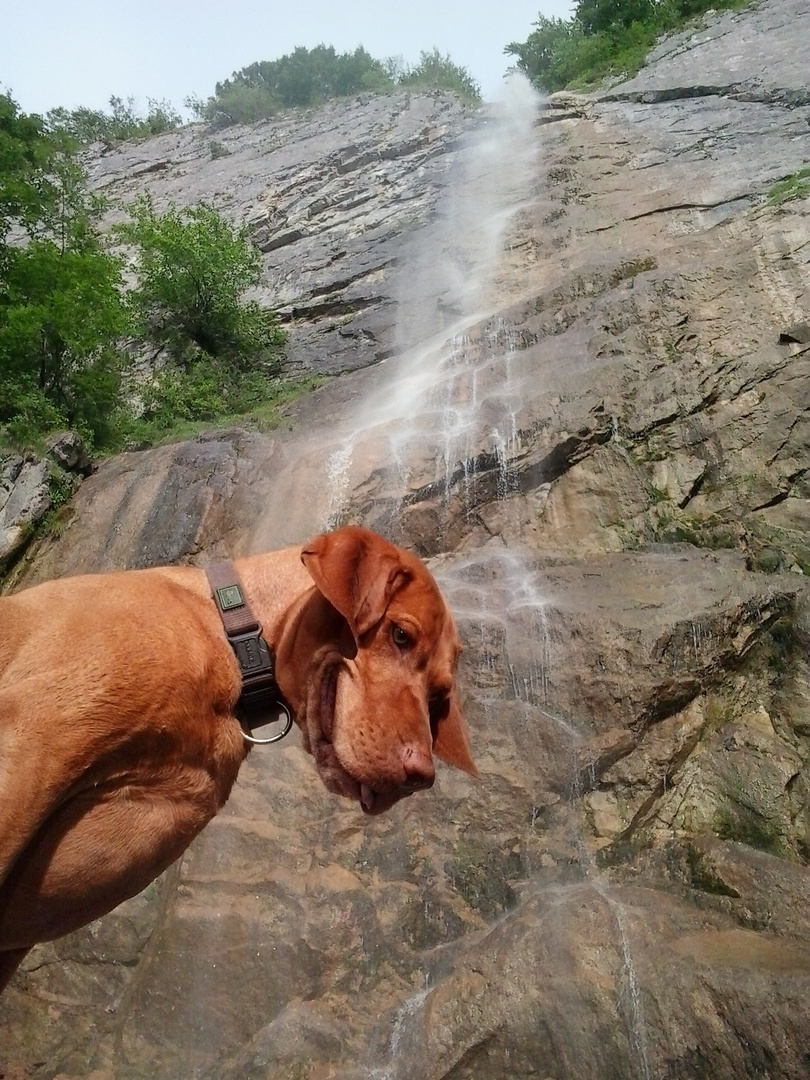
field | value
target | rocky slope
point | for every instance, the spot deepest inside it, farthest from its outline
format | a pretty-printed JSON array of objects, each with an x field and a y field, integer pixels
[
  {"x": 593, "y": 418},
  {"x": 326, "y": 194}
]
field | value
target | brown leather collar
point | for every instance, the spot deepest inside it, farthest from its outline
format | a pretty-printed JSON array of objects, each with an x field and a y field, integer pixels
[{"x": 260, "y": 702}]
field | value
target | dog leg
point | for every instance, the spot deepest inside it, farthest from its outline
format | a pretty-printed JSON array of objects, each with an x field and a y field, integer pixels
[
  {"x": 89, "y": 857},
  {"x": 27, "y": 793},
  {"x": 9, "y": 962}
]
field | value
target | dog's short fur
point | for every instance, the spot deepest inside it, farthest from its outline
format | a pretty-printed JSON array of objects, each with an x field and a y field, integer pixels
[{"x": 118, "y": 741}]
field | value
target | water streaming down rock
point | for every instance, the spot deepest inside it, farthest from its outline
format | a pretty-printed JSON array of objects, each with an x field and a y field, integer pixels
[
  {"x": 501, "y": 593},
  {"x": 445, "y": 414},
  {"x": 463, "y": 384},
  {"x": 426, "y": 416}
]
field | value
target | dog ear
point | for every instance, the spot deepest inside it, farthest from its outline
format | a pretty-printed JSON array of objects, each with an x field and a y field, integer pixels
[
  {"x": 450, "y": 742},
  {"x": 358, "y": 572}
]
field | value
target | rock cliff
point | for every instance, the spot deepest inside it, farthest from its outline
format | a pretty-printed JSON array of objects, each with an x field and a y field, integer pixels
[{"x": 589, "y": 408}]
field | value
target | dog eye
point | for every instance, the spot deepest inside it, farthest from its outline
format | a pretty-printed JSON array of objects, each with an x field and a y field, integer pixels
[{"x": 399, "y": 636}]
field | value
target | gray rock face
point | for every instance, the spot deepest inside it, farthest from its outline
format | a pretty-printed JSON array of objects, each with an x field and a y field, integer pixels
[
  {"x": 24, "y": 499},
  {"x": 598, "y": 434},
  {"x": 327, "y": 195},
  {"x": 27, "y": 487},
  {"x": 69, "y": 452},
  {"x": 759, "y": 53}
]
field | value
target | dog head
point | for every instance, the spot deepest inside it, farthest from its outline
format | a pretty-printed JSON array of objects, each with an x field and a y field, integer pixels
[{"x": 381, "y": 697}]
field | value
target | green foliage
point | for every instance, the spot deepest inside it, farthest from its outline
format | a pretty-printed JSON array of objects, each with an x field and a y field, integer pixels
[
  {"x": 122, "y": 121},
  {"x": 61, "y": 316},
  {"x": 192, "y": 270},
  {"x": 180, "y": 403},
  {"x": 61, "y": 309},
  {"x": 796, "y": 186},
  {"x": 60, "y": 487},
  {"x": 481, "y": 875},
  {"x": 549, "y": 57},
  {"x": 309, "y": 77},
  {"x": 24, "y": 158},
  {"x": 217, "y": 150},
  {"x": 204, "y": 389},
  {"x": 305, "y": 77},
  {"x": 64, "y": 315},
  {"x": 734, "y": 820},
  {"x": 603, "y": 37},
  {"x": 437, "y": 72},
  {"x": 239, "y": 103},
  {"x": 596, "y": 16}
]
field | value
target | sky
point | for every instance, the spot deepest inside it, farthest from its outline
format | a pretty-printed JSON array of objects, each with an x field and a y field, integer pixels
[{"x": 80, "y": 52}]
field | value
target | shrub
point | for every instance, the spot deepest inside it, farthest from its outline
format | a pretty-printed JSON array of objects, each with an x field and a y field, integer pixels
[
  {"x": 796, "y": 186},
  {"x": 192, "y": 270},
  {"x": 64, "y": 315},
  {"x": 61, "y": 307},
  {"x": 205, "y": 388},
  {"x": 309, "y": 77},
  {"x": 437, "y": 72},
  {"x": 223, "y": 351},
  {"x": 120, "y": 123},
  {"x": 304, "y": 77}
]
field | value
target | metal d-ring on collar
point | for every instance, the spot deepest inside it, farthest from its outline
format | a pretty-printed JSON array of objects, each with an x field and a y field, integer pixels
[{"x": 260, "y": 693}]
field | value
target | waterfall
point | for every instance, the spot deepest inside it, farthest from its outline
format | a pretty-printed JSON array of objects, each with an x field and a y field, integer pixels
[{"x": 448, "y": 400}]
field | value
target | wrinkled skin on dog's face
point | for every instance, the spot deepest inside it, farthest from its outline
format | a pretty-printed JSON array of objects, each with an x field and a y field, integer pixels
[{"x": 382, "y": 697}]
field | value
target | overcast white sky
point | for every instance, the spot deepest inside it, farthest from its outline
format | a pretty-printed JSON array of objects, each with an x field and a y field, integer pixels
[{"x": 79, "y": 52}]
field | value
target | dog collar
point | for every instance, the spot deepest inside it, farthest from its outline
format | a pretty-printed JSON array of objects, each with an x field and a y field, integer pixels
[{"x": 260, "y": 702}]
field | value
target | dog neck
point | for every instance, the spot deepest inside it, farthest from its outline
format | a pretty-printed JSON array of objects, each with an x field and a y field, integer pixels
[
  {"x": 260, "y": 701},
  {"x": 273, "y": 590},
  {"x": 297, "y": 621}
]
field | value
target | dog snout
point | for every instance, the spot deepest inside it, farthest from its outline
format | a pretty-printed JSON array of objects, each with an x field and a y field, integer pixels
[{"x": 419, "y": 771}]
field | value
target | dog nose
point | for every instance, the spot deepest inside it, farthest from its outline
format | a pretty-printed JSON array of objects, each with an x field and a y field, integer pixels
[{"x": 419, "y": 771}]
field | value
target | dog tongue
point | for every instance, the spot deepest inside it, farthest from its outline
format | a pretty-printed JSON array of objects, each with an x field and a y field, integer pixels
[{"x": 366, "y": 796}]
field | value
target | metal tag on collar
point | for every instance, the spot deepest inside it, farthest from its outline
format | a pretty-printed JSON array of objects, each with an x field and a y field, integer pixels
[
  {"x": 284, "y": 716},
  {"x": 230, "y": 597}
]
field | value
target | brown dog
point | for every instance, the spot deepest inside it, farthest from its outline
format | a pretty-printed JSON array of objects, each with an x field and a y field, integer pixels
[{"x": 118, "y": 740}]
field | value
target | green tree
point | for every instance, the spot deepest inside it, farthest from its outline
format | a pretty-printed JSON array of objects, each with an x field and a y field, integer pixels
[
  {"x": 309, "y": 77},
  {"x": 193, "y": 270},
  {"x": 545, "y": 56},
  {"x": 304, "y": 77},
  {"x": 437, "y": 72},
  {"x": 122, "y": 122},
  {"x": 603, "y": 37},
  {"x": 60, "y": 320},
  {"x": 26, "y": 155},
  {"x": 61, "y": 308},
  {"x": 598, "y": 15},
  {"x": 64, "y": 315}
]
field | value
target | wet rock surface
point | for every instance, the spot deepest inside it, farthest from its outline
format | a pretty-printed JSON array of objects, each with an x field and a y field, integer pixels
[{"x": 603, "y": 450}]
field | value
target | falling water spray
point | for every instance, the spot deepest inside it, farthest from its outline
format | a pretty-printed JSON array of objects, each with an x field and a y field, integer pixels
[{"x": 426, "y": 415}]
